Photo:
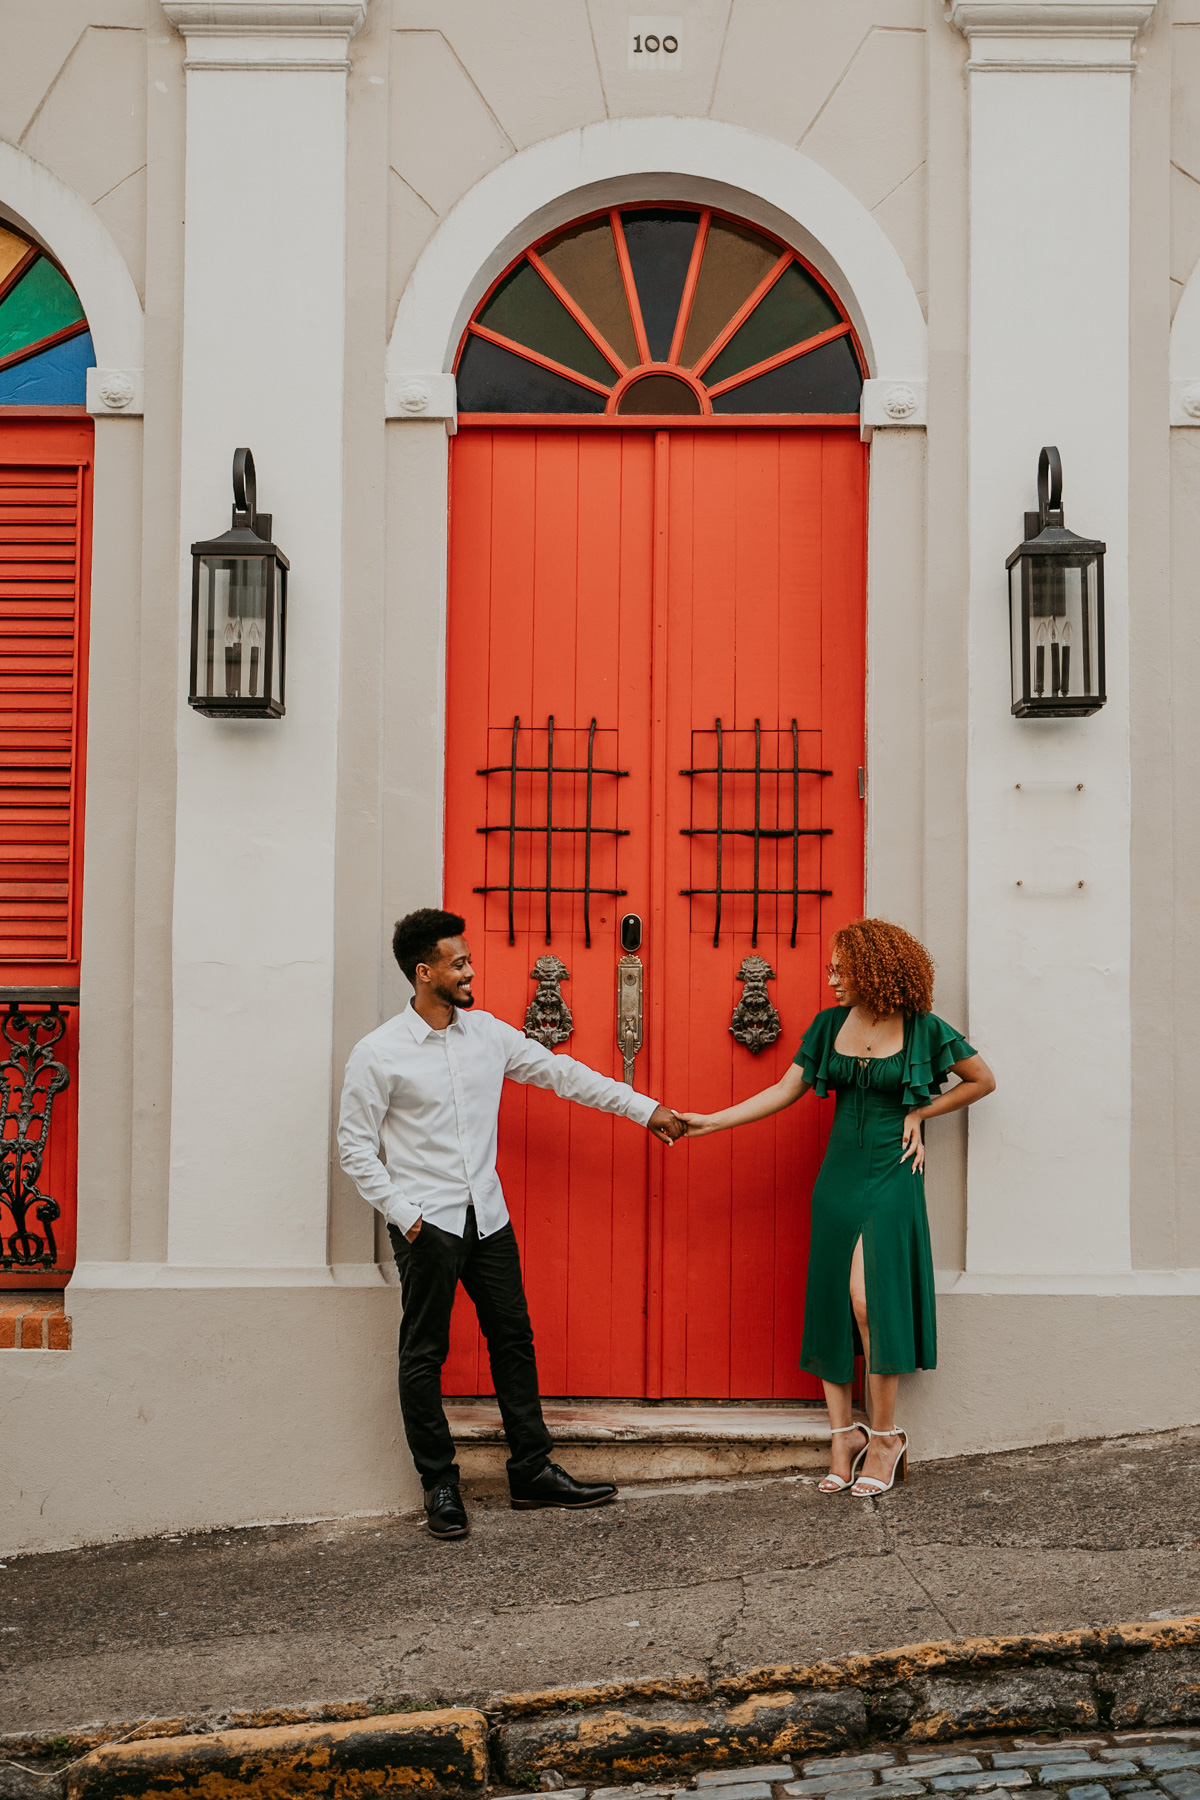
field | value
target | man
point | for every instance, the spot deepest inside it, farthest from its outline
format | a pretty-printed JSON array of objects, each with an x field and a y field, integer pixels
[{"x": 426, "y": 1086}]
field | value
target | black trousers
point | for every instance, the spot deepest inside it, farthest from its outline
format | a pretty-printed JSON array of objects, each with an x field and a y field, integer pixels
[{"x": 431, "y": 1268}]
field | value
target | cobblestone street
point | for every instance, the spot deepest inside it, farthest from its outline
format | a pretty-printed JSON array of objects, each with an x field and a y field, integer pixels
[{"x": 1082, "y": 1768}]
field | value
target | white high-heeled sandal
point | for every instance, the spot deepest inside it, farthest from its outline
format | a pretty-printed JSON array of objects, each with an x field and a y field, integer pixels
[
  {"x": 833, "y": 1484},
  {"x": 867, "y": 1487}
]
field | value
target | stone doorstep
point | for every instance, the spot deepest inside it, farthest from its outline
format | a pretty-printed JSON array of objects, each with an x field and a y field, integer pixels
[
  {"x": 642, "y": 1441},
  {"x": 34, "y": 1322}
]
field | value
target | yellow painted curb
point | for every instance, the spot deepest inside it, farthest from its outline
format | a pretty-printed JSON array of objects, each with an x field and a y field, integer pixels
[
  {"x": 432, "y": 1753},
  {"x": 446, "y": 1751},
  {"x": 964, "y": 1655}
]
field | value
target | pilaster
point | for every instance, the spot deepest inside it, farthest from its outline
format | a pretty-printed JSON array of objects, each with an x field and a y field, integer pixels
[
  {"x": 263, "y": 353},
  {"x": 1048, "y": 801}
]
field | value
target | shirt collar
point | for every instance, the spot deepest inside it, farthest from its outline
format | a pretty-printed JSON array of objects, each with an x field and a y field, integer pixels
[{"x": 419, "y": 1029}]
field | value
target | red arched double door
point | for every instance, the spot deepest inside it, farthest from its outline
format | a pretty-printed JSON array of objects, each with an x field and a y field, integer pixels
[{"x": 655, "y": 706}]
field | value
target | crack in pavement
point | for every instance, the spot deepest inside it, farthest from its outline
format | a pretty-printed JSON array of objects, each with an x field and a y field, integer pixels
[
  {"x": 714, "y": 1580},
  {"x": 952, "y": 1628},
  {"x": 739, "y": 1611}
]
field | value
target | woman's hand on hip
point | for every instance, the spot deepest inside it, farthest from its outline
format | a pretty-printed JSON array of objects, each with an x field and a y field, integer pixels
[{"x": 913, "y": 1143}]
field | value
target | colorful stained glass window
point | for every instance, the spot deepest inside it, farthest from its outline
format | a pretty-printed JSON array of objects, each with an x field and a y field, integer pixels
[
  {"x": 45, "y": 345},
  {"x": 660, "y": 310}
]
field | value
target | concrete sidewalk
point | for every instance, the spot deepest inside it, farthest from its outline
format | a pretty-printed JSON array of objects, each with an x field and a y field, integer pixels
[{"x": 703, "y": 1578}]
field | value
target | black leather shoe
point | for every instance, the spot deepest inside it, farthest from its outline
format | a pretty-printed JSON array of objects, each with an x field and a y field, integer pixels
[
  {"x": 552, "y": 1486},
  {"x": 445, "y": 1513}
]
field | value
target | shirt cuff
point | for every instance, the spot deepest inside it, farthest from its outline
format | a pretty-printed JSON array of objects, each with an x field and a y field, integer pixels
[
  {"x": 401, "y": 1213},
  {"x": 641, "y": 1108}
]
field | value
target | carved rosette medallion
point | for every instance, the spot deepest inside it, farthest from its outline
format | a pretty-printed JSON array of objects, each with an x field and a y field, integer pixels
[
  {"x": 548, "y": 1017},
  {"x": 413, "y": 397},
  {"x": 116, "y": 390},
  {"x": 755, "y": 1021},
  {"x": 899, "y": 402}
]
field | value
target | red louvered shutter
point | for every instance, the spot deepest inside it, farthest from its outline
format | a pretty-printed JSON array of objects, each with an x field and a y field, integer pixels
[{"x": 45, "y": 555}]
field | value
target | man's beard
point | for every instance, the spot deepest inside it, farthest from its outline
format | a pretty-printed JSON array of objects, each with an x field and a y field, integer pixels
[{"x": 453, "y": 998}]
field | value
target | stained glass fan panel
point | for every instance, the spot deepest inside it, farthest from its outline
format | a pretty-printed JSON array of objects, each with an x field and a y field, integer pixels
[
  {"x": 660, "y": 311},
  {"x": 45, "y": 345}
]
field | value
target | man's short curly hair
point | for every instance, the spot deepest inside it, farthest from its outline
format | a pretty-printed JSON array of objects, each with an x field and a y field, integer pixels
[
  {"x": 418, "y": 934},
  {"x": 888, "y": 969}
]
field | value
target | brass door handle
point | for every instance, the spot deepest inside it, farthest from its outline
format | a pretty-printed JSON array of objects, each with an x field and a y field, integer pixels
[{"x": 630, "y": 982}]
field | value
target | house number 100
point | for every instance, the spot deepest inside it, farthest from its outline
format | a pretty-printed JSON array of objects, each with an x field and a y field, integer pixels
[{"x": 655, "y": 43}]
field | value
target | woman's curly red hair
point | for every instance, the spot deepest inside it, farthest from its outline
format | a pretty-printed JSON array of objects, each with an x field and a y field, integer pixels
[{"x": 888, "y": 969}]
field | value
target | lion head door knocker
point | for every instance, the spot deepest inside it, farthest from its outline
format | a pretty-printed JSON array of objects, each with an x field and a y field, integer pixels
[
  {"x": 755, "y": 1022},
  {"x": 548, "y": 1017}
]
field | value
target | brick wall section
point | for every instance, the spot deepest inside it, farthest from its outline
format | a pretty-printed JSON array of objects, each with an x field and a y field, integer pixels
[{"x": 38, "y": 1322}]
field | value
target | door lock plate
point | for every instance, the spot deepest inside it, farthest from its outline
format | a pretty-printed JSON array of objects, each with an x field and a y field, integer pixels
[{"x": 630, "y": 981}]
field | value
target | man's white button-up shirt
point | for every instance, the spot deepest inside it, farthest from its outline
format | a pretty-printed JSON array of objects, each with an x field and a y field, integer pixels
[{"x": 430, "y": 1100}]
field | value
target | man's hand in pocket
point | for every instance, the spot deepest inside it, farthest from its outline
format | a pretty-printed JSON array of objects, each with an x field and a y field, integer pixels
[{"x": 411, "y": 1236}]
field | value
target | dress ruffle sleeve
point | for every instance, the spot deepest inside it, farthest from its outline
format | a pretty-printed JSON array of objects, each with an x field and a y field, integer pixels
[
  {"x": 816, "y": 1048},
  {"x": 931, "y": 1048}
]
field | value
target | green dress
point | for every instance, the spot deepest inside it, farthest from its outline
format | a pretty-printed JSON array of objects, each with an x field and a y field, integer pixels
[{"x": 864, "y": 1190}]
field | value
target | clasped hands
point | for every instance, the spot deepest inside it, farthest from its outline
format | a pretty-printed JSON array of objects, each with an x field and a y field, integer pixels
[{"x": 668, "y": 1125}]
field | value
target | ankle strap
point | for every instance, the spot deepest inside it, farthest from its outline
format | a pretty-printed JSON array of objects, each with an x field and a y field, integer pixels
[
  {"x": 836, "y": 1430},
  {"x": 896, "y": 1431}
]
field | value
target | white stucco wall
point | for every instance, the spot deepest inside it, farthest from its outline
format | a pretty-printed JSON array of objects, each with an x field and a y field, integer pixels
[{"x": 236, "y": 931}]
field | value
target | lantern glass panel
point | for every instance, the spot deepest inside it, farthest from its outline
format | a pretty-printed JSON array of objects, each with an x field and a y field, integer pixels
[
  {"x": 1062, "y": 627},
  {"x": 237, "y": 613},
  {"x": 1057, "y": 656},
  {"x": 1018, "y": 634},
  {"x": 275, "y": 644}
]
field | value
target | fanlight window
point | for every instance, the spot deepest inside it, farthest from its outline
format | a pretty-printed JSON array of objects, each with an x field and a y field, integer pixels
[
  {"x": 655, "y": 310},
  {"x": 45, "y": 345}
]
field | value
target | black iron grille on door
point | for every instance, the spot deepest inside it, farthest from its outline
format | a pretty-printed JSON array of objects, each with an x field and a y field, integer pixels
[
  {"x": 532, "y": 797},
  {"x": 773, "y": 787}
]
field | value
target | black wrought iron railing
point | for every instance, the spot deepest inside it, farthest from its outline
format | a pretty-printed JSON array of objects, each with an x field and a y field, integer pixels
[
  {"x": 757, "y": 831},
  {"x": 547, "y": 829},
  {"x": 33, "y": 1021}
]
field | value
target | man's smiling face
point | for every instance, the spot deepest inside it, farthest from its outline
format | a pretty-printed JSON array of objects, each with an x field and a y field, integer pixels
[{"x": 450, "y": 977}]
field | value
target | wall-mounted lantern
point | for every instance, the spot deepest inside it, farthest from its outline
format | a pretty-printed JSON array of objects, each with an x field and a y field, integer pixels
[
  {"x": 1055, "y": 610},
  {"x": 239, "y": 612}
]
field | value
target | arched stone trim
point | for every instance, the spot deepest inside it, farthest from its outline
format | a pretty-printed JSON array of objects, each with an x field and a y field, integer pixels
[
  {"x": 38, "y": 202},
  {"x": 1185, "y": 355},
  {"x": 696, "y": 160}
]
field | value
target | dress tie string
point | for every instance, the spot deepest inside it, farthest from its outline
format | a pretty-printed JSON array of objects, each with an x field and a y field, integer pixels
[{"x": 862, "y": 1082}]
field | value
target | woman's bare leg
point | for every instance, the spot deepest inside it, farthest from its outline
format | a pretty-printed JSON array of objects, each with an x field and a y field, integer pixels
[
  {"x": 846, "y": 1445},
  {"x": 883, "y": 1388}
]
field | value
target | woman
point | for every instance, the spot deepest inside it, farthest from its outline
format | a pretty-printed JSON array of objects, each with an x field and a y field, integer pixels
[{"x": 870, "y": 1273}]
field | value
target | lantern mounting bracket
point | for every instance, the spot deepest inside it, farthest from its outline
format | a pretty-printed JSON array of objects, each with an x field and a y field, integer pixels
[
  {"x": 1049, "y": 483},
  {"x": 245, "y": 496}
]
